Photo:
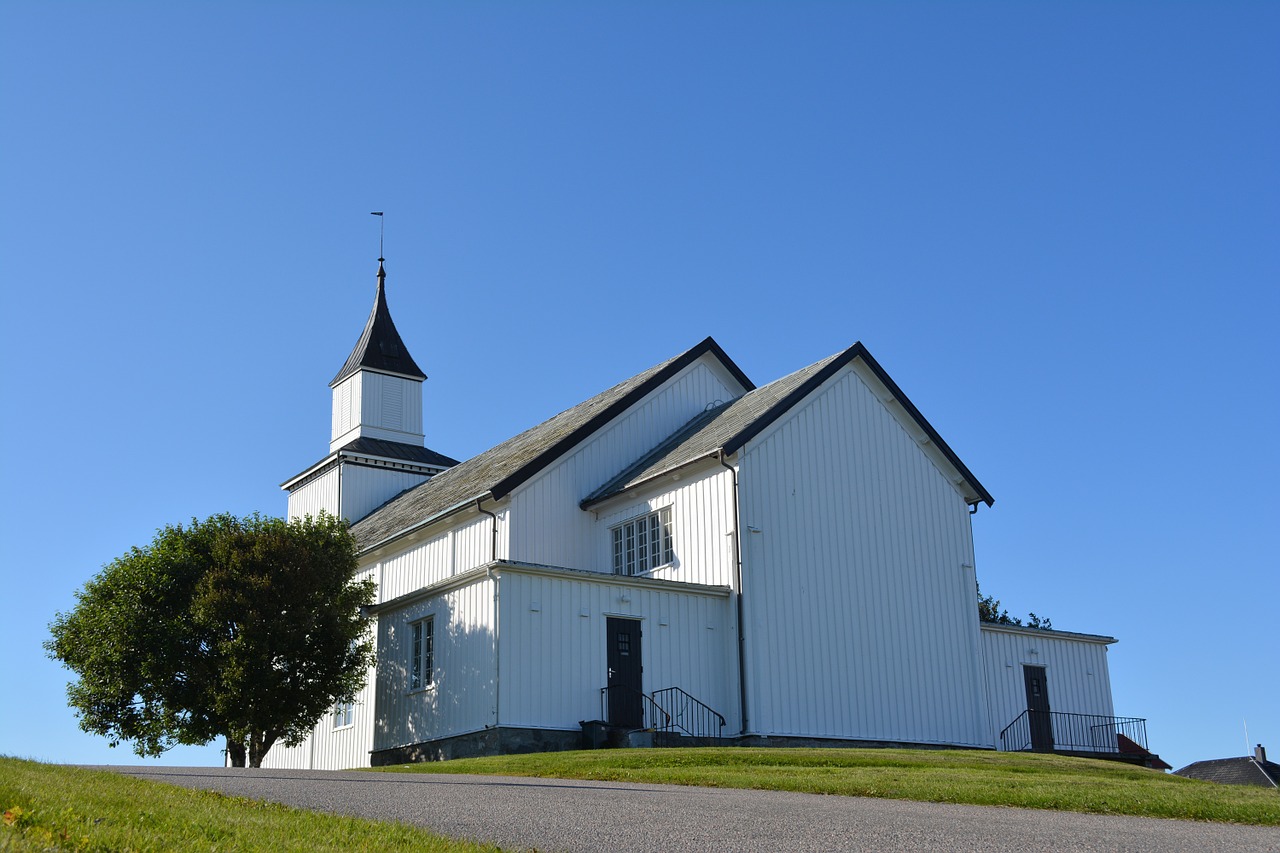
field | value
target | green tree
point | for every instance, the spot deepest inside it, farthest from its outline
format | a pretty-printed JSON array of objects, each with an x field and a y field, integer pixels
[
  {"x": 989, "y": 610},
  {"x": 247, "y": 629}
]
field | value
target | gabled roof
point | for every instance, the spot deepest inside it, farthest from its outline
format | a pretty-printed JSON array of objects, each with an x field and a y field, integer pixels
[
  {"x": 499, "y": 470},
  {"x": 380, "y": 347},
  {"x": 1234, "y": 771},
  {"x": 728, "y": 428}
]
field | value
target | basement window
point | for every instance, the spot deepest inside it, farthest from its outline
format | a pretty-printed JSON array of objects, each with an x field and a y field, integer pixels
[
  {"x": 422, "y": 653},
  {"x": 642, "y": 544}
]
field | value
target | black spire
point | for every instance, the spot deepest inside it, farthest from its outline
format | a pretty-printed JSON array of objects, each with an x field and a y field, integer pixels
[{"x": 380, "y": 347}]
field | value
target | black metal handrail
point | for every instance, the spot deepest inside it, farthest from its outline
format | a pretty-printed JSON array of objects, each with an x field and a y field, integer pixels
[
  {"x": 1067, "y": 732},
  {"x": 688, "y": 714},
  {"x": 652, "y": 716}
]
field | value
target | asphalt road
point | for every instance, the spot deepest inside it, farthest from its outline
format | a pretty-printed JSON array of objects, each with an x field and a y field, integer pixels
[{"x": 616, "y": 817}]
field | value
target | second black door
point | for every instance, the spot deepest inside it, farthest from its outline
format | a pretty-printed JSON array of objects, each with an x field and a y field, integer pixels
[
  {"x": 625, "y": 673},
  {"x": 1038, "y": 715}
]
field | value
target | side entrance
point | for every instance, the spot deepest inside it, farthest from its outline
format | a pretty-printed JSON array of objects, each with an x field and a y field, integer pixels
[
  {"x": 626, "y": 673},
  {"x": 1038, "y": 716}
]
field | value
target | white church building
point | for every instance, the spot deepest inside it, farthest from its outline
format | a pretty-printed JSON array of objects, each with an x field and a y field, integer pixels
[{"x": 684, "y": 553}]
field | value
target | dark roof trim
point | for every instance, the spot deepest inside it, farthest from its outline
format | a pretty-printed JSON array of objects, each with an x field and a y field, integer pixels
[
  {"x": 469, "y": 503},
  {"x": 733, "y": 445},
  {"x": 526, "y": 472},
  {"x": 1050, "y": 633}
]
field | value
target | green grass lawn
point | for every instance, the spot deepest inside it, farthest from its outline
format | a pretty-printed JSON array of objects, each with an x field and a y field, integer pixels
[
  {"x": 50, "y": 807},
  {"x": 944, "y": 776}
]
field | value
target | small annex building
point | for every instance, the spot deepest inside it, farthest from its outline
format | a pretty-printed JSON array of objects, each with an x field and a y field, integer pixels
[{"x": 684, "y": 552}]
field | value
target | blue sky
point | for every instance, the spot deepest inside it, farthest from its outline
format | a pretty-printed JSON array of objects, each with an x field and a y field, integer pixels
[{"x": 1055, "y": 225}]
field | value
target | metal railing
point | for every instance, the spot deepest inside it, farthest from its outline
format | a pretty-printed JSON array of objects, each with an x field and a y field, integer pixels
[
  {"x": 1065, "y": 732},
  {"x": 651, "y": 715},
  {"x": 688, "y": 714}
]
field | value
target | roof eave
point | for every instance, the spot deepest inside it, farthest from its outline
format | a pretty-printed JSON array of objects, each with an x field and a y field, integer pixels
[{"x": 530, "y": 469}]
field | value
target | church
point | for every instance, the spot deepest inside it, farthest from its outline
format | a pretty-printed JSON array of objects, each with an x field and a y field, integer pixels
[{"x": 686, "y": 557}]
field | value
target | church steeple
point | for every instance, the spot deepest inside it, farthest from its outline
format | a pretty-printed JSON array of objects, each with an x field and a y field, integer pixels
[
  {"x": 380, "y": 347},
  {"x": 378, "y": 392}
]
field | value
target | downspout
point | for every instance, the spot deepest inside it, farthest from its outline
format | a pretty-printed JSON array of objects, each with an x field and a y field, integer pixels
[
  {"x": 497, "y": 657},
  {"x": 493, "y": 544},
  {"x": 338, "y": 508},
  {"x": 737, "y": 582}
]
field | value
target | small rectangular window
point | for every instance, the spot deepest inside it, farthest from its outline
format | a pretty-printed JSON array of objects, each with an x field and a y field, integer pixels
[
  {"x": 642, "y": 544},
  {"x": 421, "y": 653},
  {"x": 344, "y": 714}
]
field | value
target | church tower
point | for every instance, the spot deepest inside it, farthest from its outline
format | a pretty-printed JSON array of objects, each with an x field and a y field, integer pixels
[{"x": 376, "y": 445}]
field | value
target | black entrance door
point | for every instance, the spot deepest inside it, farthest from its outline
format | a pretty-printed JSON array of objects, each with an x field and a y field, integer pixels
[
  {"x": 625, "y": 669},
  {"x": 1038, "y": 715}
]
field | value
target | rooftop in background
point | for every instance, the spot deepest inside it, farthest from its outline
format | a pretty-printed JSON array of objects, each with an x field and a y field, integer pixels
[{"x": 1247, "y": 770}]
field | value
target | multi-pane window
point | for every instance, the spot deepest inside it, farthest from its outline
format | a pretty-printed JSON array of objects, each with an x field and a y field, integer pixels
[
  {"x": 421, "y": 653},
  {"x": 344, "y": 714},
  {"x": 642, "y": 544}
]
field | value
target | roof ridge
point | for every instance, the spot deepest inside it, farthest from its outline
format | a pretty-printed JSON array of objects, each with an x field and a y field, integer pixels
[{"x": 497, "y": 471}]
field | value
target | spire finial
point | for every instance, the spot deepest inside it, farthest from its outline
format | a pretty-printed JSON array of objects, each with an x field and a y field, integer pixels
[{"x": 381, "y": 232}]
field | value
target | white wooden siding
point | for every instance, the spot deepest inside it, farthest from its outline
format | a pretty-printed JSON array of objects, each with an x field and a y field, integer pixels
[
  {"x": 376, "y": 405},
  {"x": 320, "y": 494},
  {"x": 547, "y": 525},
  {"x": 858, "y": 586},
  {"x": 467, "y": 545},
  {"x": 1076, "y": 673},
  {"x": 346, "y": 399},
  {"x": 553, "y": 647},
  {"x": 462, "y": 697},
  {"x": 364, "y": 489},
  {"x": 701, "y": 505}
]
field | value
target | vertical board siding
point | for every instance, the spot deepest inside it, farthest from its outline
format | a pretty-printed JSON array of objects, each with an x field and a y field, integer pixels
[
  {"x": 549, "y": 502},
  {"x": 320, "y": 494},
  {"x": 553, "y": 657},
  {"x": 364, "y": 489},
  {"x": 462, "y": 696},
  {"x": 860, "y": 605},
  {"x": 701, "y": 528},
  {"x": 391, "y": 403},
  {"x": 1076, "y": 674},
  {"x": 451, "y": 552},
  {"x": 345, "y": 416}
]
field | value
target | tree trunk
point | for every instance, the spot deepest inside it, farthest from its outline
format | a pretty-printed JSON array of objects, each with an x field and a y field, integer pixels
[
  {"x": 236, "y": 752},
  {"x": 259, "y": 744}
]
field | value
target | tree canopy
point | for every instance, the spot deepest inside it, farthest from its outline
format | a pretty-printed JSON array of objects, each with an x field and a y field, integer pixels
[
  {"x": 989, "y": 611},
  {"x": 247, "y": 628}
]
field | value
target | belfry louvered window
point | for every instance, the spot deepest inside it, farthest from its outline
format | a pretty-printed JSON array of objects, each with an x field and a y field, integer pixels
[{"x": 642, "y": 544}]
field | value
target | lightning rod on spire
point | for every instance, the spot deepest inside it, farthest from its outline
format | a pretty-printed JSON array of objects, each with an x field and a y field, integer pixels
[{"x": 381, "y": 231}]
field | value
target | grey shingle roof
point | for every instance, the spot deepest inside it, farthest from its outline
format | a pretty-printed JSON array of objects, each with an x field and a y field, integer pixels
[
  {"x": 733, "y": 425},
  {"x": 380, "y": 347},
  {"x": 708, "y": 432},
  {"x": 397, "y": 450},
  {"x": 1234, "y": 771},
  {"x": 499, "y": 470}
]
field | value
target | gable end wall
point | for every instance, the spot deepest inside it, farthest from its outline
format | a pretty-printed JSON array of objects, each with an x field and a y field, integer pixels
[
  {"x": 859, "y": 585},
  {"x": 547, "y": 525}
]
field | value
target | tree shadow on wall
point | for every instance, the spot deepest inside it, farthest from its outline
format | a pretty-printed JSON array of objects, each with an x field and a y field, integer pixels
[{"x": 461, "y": 695}]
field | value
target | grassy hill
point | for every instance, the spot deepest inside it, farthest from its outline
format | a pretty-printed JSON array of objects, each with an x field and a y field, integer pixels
[
  {"x": 51, "y": 807},
  {"x": 944, "y": 776}
]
